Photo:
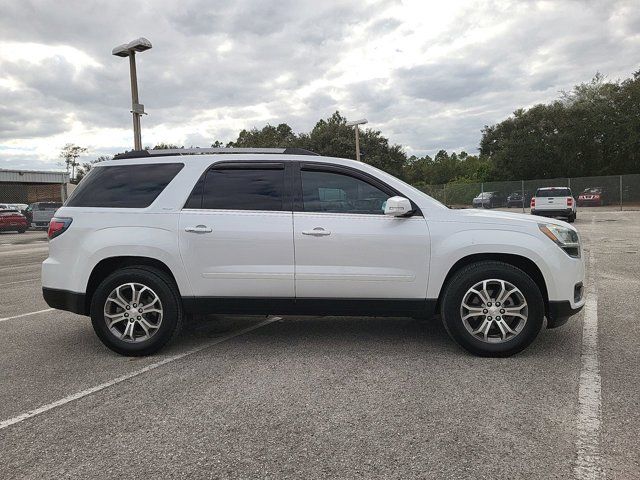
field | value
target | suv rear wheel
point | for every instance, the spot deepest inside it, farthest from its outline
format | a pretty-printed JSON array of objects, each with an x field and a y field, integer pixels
[
  {"x": 492, "y": 309},
  {"x": 136, "y": 310}
]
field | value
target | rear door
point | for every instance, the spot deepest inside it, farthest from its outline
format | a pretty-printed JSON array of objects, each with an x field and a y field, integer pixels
[
  {"x": 346, "y": 248},
  {"x": 236, "y": 232}
]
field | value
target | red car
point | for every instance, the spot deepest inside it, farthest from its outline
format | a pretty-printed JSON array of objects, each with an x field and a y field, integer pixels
[
  {"x": 12, "y": 220},
  {"x": 592, "y": 196}
]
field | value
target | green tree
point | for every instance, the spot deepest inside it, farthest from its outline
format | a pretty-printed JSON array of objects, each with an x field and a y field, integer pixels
[
  {"x": 69, "y": 155},
  {"x": 269, "y": 136},
  {"x": 87, "y": 166},
  {"x": 592, "y": 130},
  {"x": 165, "y": 146}
]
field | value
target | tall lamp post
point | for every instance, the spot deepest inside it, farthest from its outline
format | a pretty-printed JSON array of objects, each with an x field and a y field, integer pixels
[
  {"x": 355, "y": 123},
  {"x": 137, "y": 109}
]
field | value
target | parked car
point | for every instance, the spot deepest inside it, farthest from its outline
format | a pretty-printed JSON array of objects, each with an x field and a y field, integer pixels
[
  {"x": 40, "y": 213},
  {"x": 12, "y": 220},
  {"x": 150, "y": 237},
  {"x": 489, "y": 200},
  {"x": 593, "y": 197},
  {"x": 21, "y": 207},
  {"x": 516, "y": 199},
  {"x": 554, "y": 202}
]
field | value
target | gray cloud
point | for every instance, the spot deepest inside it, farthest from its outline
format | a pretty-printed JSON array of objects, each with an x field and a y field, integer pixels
[{"x": 273, "y": 50}]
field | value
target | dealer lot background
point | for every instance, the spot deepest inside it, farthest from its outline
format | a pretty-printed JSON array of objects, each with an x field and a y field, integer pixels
[{"x": 322, "y": 397}]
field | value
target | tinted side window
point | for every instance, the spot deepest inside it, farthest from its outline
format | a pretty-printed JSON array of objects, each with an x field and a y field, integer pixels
[
  {"x": 126, "y": 186},
  {"x": 339, "y": 193},
  {"x": 243, "y": 189}
]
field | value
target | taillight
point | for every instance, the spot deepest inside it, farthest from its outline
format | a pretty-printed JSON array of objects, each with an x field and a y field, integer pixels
[
  {"x": 569, "y": 201},
  {"x": 533, "y": 202},
  {"x": 57, "y": 226}
]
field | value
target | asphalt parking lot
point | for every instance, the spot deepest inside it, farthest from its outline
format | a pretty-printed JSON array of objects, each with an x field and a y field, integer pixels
[{"x": 256, "y": 397}]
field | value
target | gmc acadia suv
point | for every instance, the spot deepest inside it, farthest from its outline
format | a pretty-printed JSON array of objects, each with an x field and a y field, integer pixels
[{"x": 154, "y": 235}]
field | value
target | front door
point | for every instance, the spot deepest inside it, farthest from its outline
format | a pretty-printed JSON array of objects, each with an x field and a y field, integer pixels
[
  {"x": 236, "y": 233},
  {"x": 346, "y": 248}
]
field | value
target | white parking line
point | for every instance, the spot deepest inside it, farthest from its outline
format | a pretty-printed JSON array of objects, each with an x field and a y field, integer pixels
[
  {"x": 26, "y": 314},
  {"x": 38, "y": 249},
  {"x": 115, "y": 381},
  {"x": 19, "y": 281},
  {"x": 22, "y": 265},
  {"x": 588, "y": 463}
]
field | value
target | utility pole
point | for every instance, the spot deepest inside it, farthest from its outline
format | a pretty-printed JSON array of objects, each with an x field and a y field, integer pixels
[
  {"x": 137, "y": 109},
  {"x": 355, "y": 124}
]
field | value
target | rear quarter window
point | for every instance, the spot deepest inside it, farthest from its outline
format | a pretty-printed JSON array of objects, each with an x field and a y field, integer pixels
[{"x": 123, "y": 186}]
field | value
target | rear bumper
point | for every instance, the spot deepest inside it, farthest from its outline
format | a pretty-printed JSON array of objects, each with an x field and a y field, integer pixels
[
  {"x": 559, "y": 312},
  {"x": 565, "y": 212},
  {"x": 65, "y": 300}
]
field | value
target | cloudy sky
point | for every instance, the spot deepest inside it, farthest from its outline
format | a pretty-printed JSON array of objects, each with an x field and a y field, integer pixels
[{"x": 429, "y": 74}]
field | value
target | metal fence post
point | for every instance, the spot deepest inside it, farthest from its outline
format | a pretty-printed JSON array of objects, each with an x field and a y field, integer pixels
[
  {"x": 522, "y": 195},
  {"x": 620, "y": 192}
]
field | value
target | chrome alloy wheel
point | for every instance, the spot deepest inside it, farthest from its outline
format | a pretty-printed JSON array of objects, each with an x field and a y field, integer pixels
[
  {"x": 494, "y": 311},
  {"x": 133, "y": 312}
]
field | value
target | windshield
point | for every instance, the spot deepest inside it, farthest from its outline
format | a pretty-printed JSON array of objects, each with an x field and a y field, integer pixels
[{"x": 553, "y": 192}]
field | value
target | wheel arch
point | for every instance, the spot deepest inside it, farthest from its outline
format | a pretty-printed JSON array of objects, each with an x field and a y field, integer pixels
[
  {"x": 109, "y": 265},
  {"x": 523, "y": 263}
]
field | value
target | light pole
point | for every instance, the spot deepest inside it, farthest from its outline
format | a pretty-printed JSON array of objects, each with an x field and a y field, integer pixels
[
  {"x": 355, "y": 123},
  {"x": 137, "y": 109}
]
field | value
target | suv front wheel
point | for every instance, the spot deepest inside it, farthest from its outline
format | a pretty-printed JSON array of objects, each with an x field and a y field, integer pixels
[
  {"x": 492, "y": 309},
  {"x": 135, "y": 311}
]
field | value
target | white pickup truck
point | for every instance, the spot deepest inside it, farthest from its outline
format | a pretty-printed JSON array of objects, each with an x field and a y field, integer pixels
[
  {"x": 554, "y": 202},
  {"x": 40, "y": 214}
]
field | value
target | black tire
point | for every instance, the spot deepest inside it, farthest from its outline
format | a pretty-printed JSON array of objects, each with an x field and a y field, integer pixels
[
  {"x": 167, "y": 292},
  {"x": 571, "y": 218},
  {"x": 22, "y": 231},
  {"x": 466, "y": 278}
]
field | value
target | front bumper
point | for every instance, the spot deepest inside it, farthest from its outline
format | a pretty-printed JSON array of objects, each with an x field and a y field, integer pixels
[
  {"x": 589, "y": 203},
  {"x": 5, "y": 227},
  {"x": 559, "y": 312}
]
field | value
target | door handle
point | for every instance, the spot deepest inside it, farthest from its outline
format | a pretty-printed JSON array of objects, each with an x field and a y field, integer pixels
[
  {"x": 198, "y": 229},
  {"x": 317, "y": 232}
]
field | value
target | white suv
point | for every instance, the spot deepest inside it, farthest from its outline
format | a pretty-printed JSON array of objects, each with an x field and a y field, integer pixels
[{"x": 152, "y": 236}]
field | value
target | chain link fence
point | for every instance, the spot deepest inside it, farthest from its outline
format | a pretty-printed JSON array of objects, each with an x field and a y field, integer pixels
[
  {"x": 621, "y": 192},
  {"x": 615, "y": 192}
]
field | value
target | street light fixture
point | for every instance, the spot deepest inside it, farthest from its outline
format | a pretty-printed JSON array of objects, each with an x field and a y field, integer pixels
[
  {"x": 137, "y": 109},
  {"x": 355, "y": 123}
]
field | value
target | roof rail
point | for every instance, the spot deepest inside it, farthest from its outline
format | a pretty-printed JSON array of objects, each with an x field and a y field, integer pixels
[{"x": 203, "y": 151}]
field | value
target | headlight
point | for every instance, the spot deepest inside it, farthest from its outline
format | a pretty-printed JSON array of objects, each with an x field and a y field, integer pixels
[{"x": 566, "y": 238}]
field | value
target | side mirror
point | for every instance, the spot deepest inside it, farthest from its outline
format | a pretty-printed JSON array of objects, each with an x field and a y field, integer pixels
[{"x": 397, "y": 206}]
